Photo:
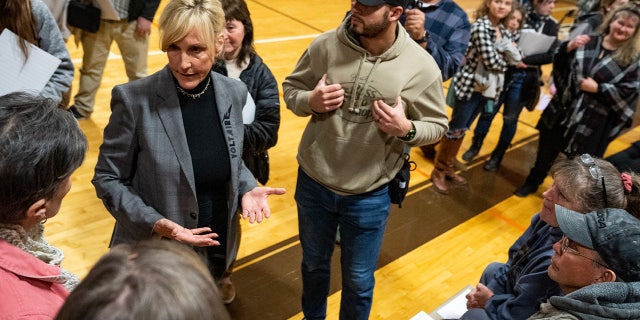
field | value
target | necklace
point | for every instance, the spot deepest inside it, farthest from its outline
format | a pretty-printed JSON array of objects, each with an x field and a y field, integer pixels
[{"x": 195, "y": 95}]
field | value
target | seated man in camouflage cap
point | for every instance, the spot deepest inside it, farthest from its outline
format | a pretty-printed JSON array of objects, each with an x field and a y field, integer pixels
[{"x": 597, "y": 265}]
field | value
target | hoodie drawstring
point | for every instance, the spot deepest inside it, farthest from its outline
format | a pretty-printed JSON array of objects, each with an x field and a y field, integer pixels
[{"x": 355, "y": 103}]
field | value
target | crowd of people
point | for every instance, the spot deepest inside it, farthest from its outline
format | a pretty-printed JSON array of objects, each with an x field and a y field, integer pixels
[{"x": 185, "y": 148}]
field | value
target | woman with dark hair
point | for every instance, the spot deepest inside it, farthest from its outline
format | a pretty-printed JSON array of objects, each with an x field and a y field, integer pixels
[
  {"x": 35, "y": 170},
  {"x": 34, "y": 24},
  {"x": 597, "y": 80},
  {"x": 240, "y": 61}
]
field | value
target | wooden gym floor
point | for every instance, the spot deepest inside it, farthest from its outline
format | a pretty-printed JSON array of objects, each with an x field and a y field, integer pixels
[{"x": 434, "y": 245}]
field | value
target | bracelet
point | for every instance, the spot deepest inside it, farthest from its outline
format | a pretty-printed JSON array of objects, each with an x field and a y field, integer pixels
[{"x": 411, "y": 134}]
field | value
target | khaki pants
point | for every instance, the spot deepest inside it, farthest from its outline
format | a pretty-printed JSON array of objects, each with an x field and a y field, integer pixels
[{"x": 133, "y": 48}]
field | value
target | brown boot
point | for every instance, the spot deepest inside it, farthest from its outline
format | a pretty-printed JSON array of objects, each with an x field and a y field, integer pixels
[
  {"x": 439, "y": 180},
  {"x": 446, "y": 159}
]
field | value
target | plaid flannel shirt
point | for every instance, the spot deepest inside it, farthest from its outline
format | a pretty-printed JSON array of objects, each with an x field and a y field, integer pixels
[{"x": 449, "y": 30}]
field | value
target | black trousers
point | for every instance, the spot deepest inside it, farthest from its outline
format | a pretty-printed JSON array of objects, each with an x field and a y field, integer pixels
[
  {"x": 627, "y": 159},
  {"x": 550, "y": 144}
]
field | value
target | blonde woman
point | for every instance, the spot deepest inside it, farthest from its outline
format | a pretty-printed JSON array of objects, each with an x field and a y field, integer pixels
[
  {"x": 171, "y": 162},
  {"x": 35, "y": 170},
  {"x": 596, "y": 96},
  {"x": 469, "y": 100}
]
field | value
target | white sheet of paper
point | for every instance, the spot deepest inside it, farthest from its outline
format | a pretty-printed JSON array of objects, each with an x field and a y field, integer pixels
[
  {"x": 456, "y": 306},
  {"x": 107, "y": 10},
  {"x": 543, "y": 102},
  {"x": 249, "y": 110},
  {"x": 20, "y": 75},
  {"x": 532, "y": 42},
  {"x": 421, "y": 316}
]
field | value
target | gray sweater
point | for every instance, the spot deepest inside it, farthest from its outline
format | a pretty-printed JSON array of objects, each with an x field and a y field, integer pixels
[
  {"x": 608, "y": 300},
  {"x": 50, "y": 40}
]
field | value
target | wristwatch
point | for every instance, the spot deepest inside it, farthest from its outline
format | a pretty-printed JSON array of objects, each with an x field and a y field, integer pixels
[
  {"x": 410, "y": 134},
  {"x": 424, "y": 38}
]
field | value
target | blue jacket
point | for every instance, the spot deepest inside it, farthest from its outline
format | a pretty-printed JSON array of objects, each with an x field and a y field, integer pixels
[{"x": 519, "y": 292}]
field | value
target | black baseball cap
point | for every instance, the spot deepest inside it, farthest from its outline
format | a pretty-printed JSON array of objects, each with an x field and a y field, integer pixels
[
  {"x": 613, "y": 233},
  {"x": 393, "y": 3}
]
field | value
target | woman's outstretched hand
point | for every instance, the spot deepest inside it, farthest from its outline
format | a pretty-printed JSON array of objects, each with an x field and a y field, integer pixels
[
  {"x": 254, "y": 203},
  {"x": 198, "y": 237}
]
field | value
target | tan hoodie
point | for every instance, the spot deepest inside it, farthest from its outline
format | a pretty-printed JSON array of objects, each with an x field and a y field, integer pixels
[{"x": 343, "y": 149}]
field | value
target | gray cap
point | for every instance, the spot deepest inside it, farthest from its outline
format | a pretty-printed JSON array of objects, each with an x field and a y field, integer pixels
[
  {"x": 613, "y": 233},
  {"x": 393, "y": 3}
]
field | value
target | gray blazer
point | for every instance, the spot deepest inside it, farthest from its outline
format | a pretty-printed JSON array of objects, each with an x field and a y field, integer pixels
[{"x": 144, "y": 170}]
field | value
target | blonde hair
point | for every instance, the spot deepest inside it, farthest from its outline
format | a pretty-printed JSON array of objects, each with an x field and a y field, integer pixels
[
  {"x": 628, "y": 51},
  {"x": 483, "y": 10},
  {"x": 204, "y": 17}
]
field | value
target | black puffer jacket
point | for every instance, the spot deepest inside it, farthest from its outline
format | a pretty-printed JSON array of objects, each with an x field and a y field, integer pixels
[{"x": 262, "y": 134}]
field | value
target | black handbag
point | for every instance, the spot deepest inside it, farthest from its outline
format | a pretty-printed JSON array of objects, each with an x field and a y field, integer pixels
[
  {"x": 399, "y": 185},
  {"x": 83, "y": 16},
  {"x": 531, "y": 88},
  {"x": 258, "y": 164}
]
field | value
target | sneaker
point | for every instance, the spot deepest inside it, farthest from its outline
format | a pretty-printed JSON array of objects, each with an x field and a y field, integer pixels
[
  {"x": 227, "y": 290},
  {"x": 76, "y": 113},
  {"x": 525, "y": 190}
]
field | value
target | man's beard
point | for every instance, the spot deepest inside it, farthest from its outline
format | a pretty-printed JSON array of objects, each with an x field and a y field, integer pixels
[{"x": 373, "y": 30}]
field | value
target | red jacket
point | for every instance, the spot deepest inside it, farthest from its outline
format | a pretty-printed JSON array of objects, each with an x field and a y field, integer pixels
[{"x": 27, "y": 287}]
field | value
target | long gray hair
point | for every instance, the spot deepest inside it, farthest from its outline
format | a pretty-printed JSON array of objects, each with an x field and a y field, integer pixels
[{"x": 581, "y": 187}]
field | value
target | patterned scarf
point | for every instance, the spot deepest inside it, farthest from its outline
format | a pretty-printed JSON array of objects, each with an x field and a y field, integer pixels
[
  {"x": 33, "y": 242},
  {"x": 536, "y": 22}
]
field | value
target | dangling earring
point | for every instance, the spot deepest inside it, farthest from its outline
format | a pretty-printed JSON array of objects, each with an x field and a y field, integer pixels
[{"x": 43, "y": 221}]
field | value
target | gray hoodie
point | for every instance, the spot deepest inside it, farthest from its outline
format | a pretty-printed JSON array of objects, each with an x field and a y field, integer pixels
[{"x": 608, "y": 300}]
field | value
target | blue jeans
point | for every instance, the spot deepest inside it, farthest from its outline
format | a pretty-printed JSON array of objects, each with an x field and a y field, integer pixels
[
  {"x": 362, "y": 219},
  {"x": 464, "y": 113},
  {"x": 512, "y": 108},
  {"x": 496, "y": 271}
]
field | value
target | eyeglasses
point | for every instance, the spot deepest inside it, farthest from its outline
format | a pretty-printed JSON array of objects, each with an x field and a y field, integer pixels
[
  {"x": 566, "y": 242},
  {"x": 596, "y": 174}
]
